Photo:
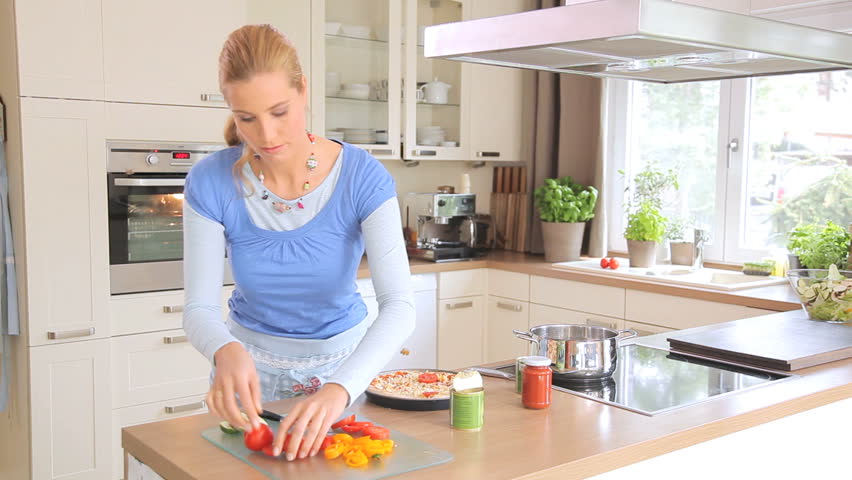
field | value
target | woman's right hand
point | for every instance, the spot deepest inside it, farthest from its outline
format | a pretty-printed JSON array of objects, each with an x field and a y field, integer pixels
[{"x": 235, "y": 375}]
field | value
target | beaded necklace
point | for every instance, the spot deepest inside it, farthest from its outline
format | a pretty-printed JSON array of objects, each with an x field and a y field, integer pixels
[{"x": 311, "y": 163}]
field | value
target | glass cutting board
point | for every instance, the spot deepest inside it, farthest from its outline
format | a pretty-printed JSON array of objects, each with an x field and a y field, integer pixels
[{"x": 409, "y": 454}]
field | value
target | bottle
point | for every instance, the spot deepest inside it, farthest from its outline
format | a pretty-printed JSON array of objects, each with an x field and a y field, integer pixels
[{"x": 537, "y": 383}]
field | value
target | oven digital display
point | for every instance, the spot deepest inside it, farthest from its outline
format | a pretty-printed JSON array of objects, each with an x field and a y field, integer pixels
[{"x": 180, "y": 155}]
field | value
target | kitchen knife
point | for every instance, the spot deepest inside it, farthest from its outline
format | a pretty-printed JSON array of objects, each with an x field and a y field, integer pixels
[{"x": 268, "y": 415}]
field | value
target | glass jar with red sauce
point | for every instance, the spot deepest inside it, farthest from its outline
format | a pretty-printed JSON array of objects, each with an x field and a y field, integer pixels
[{"x": 538, "y": 379}]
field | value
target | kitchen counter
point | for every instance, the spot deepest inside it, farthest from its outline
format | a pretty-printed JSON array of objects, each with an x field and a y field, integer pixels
[
  {"x": 779, "y": 298},
  {"x": 574, "y": 438}
]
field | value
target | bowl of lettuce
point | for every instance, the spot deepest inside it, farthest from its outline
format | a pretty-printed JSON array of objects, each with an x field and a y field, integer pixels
[{"x": 825, "y": 294}]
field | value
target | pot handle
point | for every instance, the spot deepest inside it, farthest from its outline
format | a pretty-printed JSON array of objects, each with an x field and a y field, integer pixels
[
  {"x": 525, "y": 336},
  {"x": 630, "y": 334}
]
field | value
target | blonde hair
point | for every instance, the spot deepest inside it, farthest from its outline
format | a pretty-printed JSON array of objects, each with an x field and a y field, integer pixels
[{"x": 249, "y": 50}]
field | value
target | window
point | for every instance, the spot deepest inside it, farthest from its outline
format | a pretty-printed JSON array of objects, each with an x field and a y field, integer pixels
[{"x": 754, "y": 157}]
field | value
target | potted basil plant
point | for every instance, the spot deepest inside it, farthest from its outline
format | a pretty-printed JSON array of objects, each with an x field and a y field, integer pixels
[{"x": 564, "y": 207}]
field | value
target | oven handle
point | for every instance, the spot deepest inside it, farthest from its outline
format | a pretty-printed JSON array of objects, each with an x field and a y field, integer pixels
[{"x": 150, "y": 182}]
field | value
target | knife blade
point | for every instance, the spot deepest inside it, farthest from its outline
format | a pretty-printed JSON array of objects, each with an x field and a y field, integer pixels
[{"x": 269, "y": 415}]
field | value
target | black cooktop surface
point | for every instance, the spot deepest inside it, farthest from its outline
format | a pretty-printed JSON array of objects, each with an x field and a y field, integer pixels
[{"x": 650, "y": 380}]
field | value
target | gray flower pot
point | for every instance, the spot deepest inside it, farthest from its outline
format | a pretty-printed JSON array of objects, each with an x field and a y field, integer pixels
[
  {"x": 683, "y": 253},
  {"x": 642, "y": 254},
  {"x": 562, "y": 241}
]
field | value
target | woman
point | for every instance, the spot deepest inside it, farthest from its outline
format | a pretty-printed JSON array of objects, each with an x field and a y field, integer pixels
[{"x": 294, "y": 212}]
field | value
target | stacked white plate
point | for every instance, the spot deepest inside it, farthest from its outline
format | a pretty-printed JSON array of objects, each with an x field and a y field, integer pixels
[
  {"x": 431, "y": 135},
  {"x": 335, "y": 135},
  {"x": 359, "y": 135}
]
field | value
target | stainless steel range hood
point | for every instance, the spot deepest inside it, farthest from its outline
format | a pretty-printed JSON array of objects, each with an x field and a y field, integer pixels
[{"x": 650, "y": 40}]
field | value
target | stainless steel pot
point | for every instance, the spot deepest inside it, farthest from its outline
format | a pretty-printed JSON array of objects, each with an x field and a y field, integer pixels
[{"x": 577, "y": 351}]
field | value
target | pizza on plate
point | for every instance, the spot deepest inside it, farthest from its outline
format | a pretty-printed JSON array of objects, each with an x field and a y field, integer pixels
[{"x": 413, "y": 384}]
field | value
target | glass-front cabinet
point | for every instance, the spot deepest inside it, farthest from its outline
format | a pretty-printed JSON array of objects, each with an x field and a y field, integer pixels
[
  {"x": 369, "y": 48},
  {"x": 435, "y": 122},
  {"x": 359, "y": 77}
]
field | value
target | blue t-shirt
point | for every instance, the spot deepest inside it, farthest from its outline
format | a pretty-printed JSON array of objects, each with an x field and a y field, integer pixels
[{"x": 297, "y": 283}]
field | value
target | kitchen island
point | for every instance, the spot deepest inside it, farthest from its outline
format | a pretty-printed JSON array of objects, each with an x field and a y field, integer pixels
[{"x": 575, "y": 438}]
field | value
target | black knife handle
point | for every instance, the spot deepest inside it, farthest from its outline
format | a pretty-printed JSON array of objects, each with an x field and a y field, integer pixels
[{"x": 267, "y": 415}]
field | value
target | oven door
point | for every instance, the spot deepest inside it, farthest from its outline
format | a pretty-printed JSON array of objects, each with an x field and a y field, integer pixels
[{"x": 145, "y": 232}]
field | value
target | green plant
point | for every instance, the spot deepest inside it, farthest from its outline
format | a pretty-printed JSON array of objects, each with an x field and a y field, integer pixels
[
  {"x": 798, "y": 238},
  {"x": 824, "y": 247},
  {"x": 566, "y": 201},
  {"x": 677, "y": 228},
  {"x": 650, "y": 184},
  {"x": 645, "y": 224}
]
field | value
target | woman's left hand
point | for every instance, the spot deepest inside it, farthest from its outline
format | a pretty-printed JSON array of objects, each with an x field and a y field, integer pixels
[{"x": 310, "y": 421}]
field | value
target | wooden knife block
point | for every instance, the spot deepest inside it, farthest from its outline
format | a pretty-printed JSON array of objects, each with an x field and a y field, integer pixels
[{"x": 510, "y": 209}]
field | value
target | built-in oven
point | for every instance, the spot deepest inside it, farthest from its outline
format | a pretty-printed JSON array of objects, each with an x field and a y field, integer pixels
[{"x": 145, "y": 186}]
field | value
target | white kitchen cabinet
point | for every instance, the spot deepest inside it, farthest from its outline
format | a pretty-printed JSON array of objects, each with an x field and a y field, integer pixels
[
  {"x": 156, "y": 366},
  {"x": 514, "y": 285},
  {"x": 496, "y": 97},
  {"x": 546, "y": 315},
  {"x": 460, "y": 331},
  {"x": 70, "y": 404},
  {"x": 167, "y": 52},
  {"x": 65, "y": 222},
  {"x": 578, "y": 296},
  {"x": 462, "y": 283},
  {"x": 680, "y": 312},
  {"x": 346, "y": 56},
  {"x": 149, "y": 412},
  {"x": 644, "y": 329},
  {"x": 60, "y": 48},
  {"x": 503, "y": 316}
]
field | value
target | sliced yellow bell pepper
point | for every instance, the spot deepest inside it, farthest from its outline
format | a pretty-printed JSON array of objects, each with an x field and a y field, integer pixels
[
  {"x": 356, "y": 459},
  {"x": 342, "y": 438},
  {"x": 334, "y": 450}
]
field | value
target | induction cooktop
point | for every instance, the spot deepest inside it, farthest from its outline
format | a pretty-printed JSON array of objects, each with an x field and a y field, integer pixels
[{"x": 650, "y": 380}]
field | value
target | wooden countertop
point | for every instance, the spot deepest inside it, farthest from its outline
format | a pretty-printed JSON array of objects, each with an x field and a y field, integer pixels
[
  {"x": 574, "y": 438},
  {"x": 779, "y": 298}
]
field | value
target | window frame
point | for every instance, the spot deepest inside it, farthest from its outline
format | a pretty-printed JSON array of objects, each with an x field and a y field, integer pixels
[{"x": 734, "y": 120}]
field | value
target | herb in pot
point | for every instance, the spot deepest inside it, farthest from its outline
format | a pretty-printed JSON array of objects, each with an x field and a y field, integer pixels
[
  {"x": 645, "y": 224},
  {"x": 563, "y": 200}
]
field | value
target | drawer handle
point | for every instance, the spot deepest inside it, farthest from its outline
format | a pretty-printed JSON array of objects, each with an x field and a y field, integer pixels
[
  {"x": 185, "y": 408},
  {"x": 509, "y": 306},
  {"x": 488, "y": 154},
  {"x": 455, "y": 306},
  {"x": 426, "y": 153},
  {"x": 174, "y": 339},
  {"x": 212, "y": 97},
  {"x": 381, "y": 151},
  {"x": 172, "y": 308},
  {"x": 85, "y": 332}
]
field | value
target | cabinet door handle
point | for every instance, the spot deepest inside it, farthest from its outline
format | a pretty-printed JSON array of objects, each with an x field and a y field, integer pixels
[
  {"x": 488, "y": 154},
  {"x": 426, "y": 153},
  {"x": 172, "y": 308},
  {"x": 185, "y": 407},
  {"x": 381, "y": 151},
  {"x": 174, "y": 339},
  {"x": 85, "y": 332},
  {"x": 212, "y": 97},
  {"x": 456, "y": 306},
  {"x": 509, "y": 306}
]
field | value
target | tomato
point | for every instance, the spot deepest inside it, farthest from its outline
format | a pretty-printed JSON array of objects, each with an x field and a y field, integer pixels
[
  {"x": 604, "y": 262},
  {"x": 326, "y": 442},
  {"x": 345, "y": 421},
  {"x": 356, "y": 427},
  {"x": 268, "y": 450},
  {"x": 377, "y": 433},
  {"x": 427, "y": 377},
  {"x": 259, "y": 437},
  {"x": 613, "y": 263},
  {"x": 429, "y": 394}
]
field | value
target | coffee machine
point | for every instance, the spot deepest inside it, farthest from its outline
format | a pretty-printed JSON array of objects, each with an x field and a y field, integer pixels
[{"x": 444, "y": 227}]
